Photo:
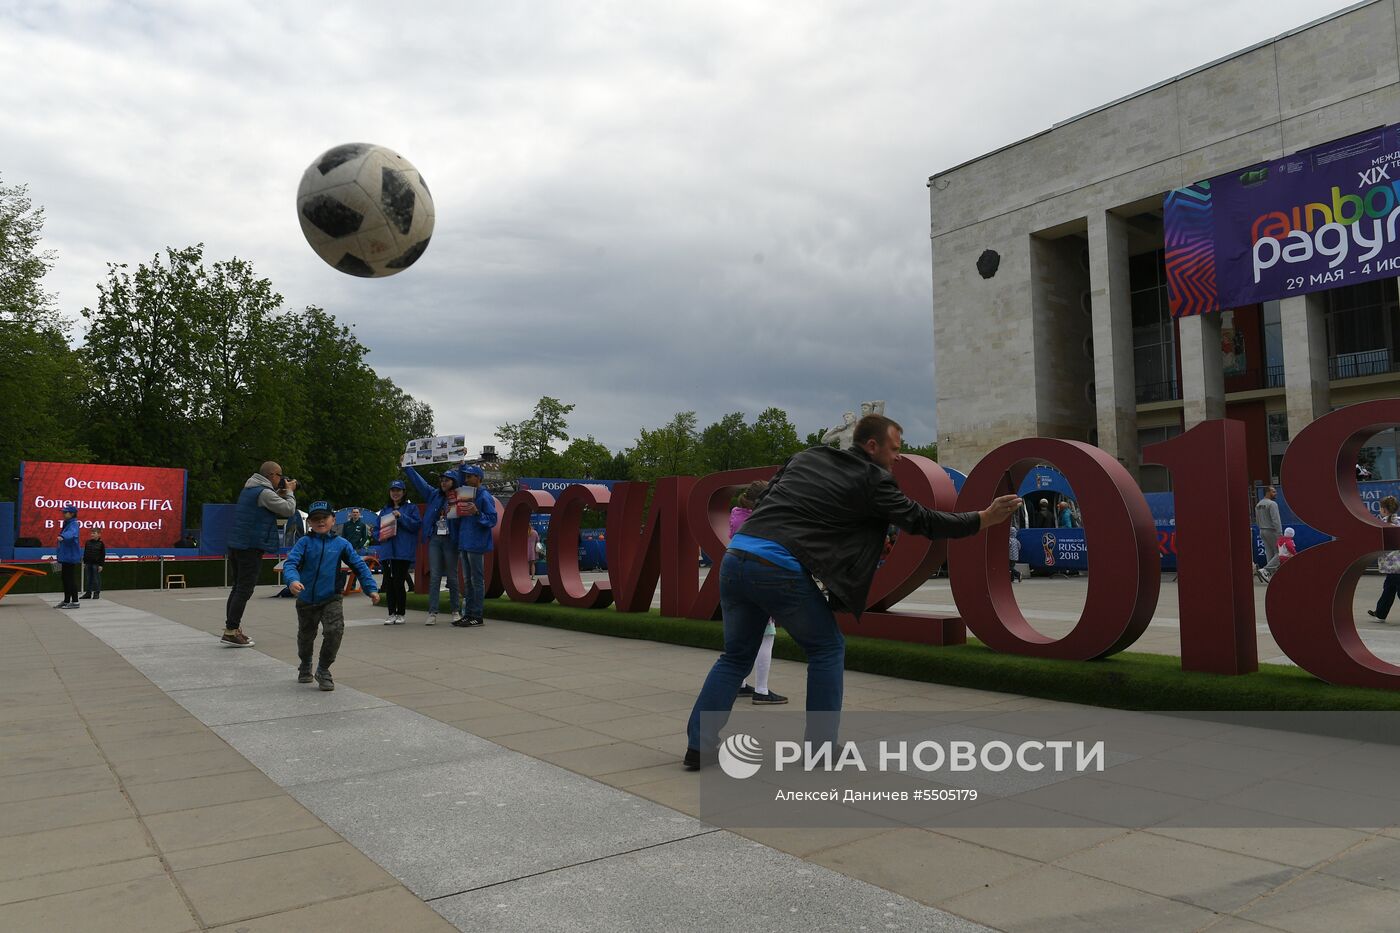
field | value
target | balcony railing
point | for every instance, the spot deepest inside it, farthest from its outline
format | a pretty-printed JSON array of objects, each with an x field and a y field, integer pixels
[
  {"x": 1368, "y": 363},
  {"x": 1158, "y": 392}
]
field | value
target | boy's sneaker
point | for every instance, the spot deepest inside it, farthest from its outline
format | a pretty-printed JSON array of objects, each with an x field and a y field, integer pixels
[
  {"x": 235, "y": 638},
  {"x": 432, "y": 619},
  {"x": 768, "y": 699},
  {"x": 472, "y": 622},
  {"x": 323, "y": 679},
  {"x": 304, "y": 674},
  {"x": 65, "y": 605},
  {"x": 745, "y": 690}
]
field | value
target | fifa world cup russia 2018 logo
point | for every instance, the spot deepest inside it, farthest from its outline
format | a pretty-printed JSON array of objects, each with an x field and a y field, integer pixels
[{"x": 1048, "y": 540}]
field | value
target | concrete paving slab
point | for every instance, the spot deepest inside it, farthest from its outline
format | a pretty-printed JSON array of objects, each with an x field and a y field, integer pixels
[
  {"x": 30, "y": 816},
  {"x": 1323, "y": 902},
  {"x": 222, "y": 706},
  {"x": 451, "y": 827},
  {"x": 42, "y": 784},
  {"x": 1210, "y": 878},
  {"x": 75, "y": 847},
  {"x": 717, "y": 881},
  {"x": 348, "y": 743},
  {"x": 152, "y": 904},
  {"x": 79, "y": 879},
  {"x": 389, "y": 909},
  {"x": 269, "y": 884},
  {"x": 189, "y": 793},
  {"x": 227, "y": 822}
]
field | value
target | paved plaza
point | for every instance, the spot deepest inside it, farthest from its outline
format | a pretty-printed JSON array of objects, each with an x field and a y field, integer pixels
[{"x": 522, "y": 778}]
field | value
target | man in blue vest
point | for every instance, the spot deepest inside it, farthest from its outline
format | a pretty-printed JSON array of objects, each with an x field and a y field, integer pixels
[{"x": 266, "y": 497}]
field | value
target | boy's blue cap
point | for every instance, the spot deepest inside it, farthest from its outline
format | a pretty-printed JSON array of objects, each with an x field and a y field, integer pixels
[
  {"x": 397, "y": 484},
  {"x": 319, "y": 507},
  {"x": 473, "y": 471}
]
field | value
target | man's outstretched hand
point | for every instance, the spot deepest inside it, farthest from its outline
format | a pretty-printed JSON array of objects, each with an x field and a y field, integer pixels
[{"x": 1002, "y": 508}]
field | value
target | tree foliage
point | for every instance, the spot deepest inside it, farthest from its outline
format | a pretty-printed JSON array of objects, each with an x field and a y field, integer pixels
[
  {"x": 531, "y": 442},
  {"x": 198, "y": 367},
  {"x": 40, "y": 376},
  {"x": 670, "y": 450}
]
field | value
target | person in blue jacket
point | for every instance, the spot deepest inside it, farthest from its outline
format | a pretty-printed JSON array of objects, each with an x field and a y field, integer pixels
[
  {"x": 474, "y": 526},
  {"x": 70, "y": 555},
  {"x": 397, "y": 552},
  {"x": 310, "y": 571},
  {"x": 439, "y": 529}
]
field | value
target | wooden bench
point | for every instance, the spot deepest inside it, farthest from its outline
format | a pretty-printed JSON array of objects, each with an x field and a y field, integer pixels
[
  {"x": 15, "y": 571},
  {"x": 173, "y": 580}
]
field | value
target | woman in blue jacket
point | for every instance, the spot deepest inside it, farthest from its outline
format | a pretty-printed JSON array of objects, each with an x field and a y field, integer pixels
[
  {"x": 397, "y": 552},
  {"x": 440, "y": 531},
  {"x": 474, "y": 540},
  {"x": 70, "y": 555}
]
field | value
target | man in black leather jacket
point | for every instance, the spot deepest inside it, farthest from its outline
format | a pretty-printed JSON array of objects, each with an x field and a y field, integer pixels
[{"x": 825, "y": 515}]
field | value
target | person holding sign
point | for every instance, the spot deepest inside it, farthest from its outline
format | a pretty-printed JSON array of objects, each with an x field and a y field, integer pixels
[
  {"x": 476, "y": 516},
  {"x": 398, "y": 545},
  {"x": 440, "y": 530}
]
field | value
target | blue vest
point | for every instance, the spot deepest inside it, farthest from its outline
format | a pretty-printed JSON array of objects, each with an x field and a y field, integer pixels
[{"x": 254, "y": 527}]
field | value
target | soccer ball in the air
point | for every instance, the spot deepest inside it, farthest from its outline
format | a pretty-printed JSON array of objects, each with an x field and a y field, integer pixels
[{"x": 365, "y": 210}]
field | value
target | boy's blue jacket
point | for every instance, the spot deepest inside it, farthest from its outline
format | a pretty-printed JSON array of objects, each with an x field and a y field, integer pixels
[
  {"x": 404, "y": 545},
  {"x": 313, "y": 562},
  {"x": 474, "y": 531},
  {"x": 434, "y": 502},
  {"x": 69, "y": 550}
]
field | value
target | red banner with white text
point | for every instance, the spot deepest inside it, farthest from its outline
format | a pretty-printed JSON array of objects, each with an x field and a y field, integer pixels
[{"x": 134, "y": 506}]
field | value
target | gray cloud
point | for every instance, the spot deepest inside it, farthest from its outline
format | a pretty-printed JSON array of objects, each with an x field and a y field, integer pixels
[{"x": 641, "y": 208}]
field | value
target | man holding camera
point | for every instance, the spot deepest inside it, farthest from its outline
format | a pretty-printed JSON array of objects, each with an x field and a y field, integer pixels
[{"x": 266, "y": 498}]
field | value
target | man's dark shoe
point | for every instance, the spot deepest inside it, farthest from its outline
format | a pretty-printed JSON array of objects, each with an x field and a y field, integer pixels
[
  {"x": 1372, "y": 614},
  {"x": 769, "y": 699},
  {"x": 86, "y": 596},
  {"x": 236, "y": 639},
  {"x": 691, "y": 761},
  {"x": 473, "y": 622},
  {"x": 323, "y": 679},
  {"x": 304, "y": 675},
  {"x": 745, "y": 690},
  {"x": 459, "y": 623}
]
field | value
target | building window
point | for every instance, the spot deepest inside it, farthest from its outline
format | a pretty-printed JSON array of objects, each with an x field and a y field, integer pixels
[
  {"x": 1273, "y": 346},
  {"x": 1154, "y": 338},
  {"x": 1278, "y": 441},
  {"x": 1363, "y": 327},
  {"x": 1378, "y": 456}
]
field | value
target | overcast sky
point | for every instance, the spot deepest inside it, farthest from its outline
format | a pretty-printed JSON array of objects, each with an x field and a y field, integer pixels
[{"x": 642, "y": 208}]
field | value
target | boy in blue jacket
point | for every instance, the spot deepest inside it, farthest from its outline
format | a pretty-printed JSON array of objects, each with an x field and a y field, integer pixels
[
  {"x": 474, "y": 525},
  {"x": 310, "y": 572}
]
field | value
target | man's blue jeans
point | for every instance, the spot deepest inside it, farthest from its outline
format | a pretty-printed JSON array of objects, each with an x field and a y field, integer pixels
[
  {"x": 474, "y": 583},
  {"x": 442, "y": 561},
  {"x": 750, "y": 593}
]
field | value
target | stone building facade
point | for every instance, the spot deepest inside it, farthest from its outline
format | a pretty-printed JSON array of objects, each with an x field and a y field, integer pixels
[{"x": 1072, "y": 338}]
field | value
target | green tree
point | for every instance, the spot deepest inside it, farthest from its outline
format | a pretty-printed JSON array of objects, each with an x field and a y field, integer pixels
[
  {"x": 929, "y": 450},
  {"x": 671, "y": 450},
  {"x": 814, "y": 439},
  {"x": 619, "y": 468},
  {"x": 531, "y": 442},
  {"x": 585, "y": 458},
  {"x": 774, "y": 438},
  {"x": 726, "y": 445},
  {"x": 41, "y": 377}
]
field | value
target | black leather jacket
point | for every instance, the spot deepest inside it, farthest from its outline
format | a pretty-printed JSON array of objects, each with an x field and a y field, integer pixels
[{"x": 831, "y": 508}]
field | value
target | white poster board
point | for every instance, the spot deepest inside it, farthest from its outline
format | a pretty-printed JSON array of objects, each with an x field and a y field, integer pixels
[{"x": 445, "y": 448}]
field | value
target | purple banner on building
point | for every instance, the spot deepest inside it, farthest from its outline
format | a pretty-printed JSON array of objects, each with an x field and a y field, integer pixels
[{"x": 1317, "y": 219}]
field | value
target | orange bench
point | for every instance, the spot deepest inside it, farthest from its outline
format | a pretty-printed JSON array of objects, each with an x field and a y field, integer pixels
[{"x": 16, "y": 571}]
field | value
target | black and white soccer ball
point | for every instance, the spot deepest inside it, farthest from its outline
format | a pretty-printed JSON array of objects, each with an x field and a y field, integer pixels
[{"x": 365, "y": 210}]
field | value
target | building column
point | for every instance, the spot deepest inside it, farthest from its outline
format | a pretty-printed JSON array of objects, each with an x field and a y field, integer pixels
[
  {"x": 1115, "y": 392},
  {"x": 1303, "y": 320},
  {"x": 1202, "y": 369}
]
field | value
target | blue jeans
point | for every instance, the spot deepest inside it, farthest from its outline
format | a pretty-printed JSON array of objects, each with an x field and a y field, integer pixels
[
  {"x": 474, "y": 584},
  {"x": 442, "y": 561},
  {"x": 750, "y": 593}
]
